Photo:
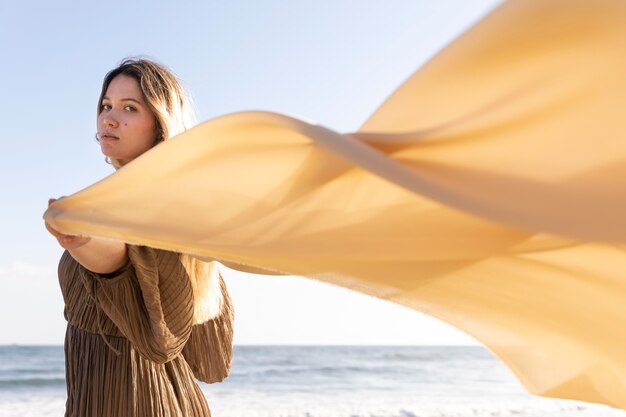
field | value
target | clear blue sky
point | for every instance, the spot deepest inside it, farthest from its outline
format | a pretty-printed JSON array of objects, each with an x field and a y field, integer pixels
[{"x": 329, "y": 61}]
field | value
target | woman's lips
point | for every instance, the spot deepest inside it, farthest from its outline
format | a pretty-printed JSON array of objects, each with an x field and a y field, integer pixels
[{"x": 108, "y": 138}]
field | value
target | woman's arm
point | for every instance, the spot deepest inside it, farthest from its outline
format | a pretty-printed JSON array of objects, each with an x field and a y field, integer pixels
[
  {"x": 97, "y": 255},
  {"x": 101, "y": 256},
  {"x": 151, "y": 302}
]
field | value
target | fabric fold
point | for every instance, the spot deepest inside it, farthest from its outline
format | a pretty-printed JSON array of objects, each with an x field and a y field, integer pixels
[{"x": 485, "y": 192}]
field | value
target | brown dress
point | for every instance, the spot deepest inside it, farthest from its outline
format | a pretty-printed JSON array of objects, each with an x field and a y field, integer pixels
[{"x": 131, "y": 348}]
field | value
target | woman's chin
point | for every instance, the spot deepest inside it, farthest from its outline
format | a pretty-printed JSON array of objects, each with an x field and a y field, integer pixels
[{"x": 108, "y": 151}]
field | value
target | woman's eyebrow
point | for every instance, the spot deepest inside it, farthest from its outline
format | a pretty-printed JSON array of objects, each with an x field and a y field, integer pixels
[{"x": 124, "y": 99}]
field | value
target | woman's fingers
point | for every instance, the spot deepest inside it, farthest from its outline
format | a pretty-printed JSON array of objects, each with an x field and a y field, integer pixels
[
  {"x": 66, "y": 241},
  {"x": 53, "y": 231},
  {"x": 61, "y": 237},
  {"x": 73, "y": 242},
  {"x": 52, "y": 200}
]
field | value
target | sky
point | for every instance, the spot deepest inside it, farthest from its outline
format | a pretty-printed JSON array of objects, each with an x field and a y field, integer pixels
[{"x": 328, "y": 61}]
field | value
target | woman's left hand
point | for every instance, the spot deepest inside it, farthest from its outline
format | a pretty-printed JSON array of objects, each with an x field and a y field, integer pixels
[{"x": 66, "y": 241}]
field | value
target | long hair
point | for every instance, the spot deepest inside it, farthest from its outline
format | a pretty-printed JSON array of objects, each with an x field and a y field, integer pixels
[{"x": 166, "y": 98}]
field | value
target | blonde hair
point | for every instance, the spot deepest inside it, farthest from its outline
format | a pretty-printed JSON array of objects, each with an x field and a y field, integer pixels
[{"x": 166, "y": 98}]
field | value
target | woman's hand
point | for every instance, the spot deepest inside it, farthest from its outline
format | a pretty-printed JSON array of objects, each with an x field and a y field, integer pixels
[
  {"x": 101, "y": 256},
  {"x": 66, "y": 241}
]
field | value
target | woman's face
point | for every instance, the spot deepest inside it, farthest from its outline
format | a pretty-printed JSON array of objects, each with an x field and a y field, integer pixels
[{"x": 126, "y": 126}]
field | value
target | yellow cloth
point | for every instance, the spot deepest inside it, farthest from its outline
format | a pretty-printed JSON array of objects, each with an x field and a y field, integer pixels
[{"x": 488, "y": 191}]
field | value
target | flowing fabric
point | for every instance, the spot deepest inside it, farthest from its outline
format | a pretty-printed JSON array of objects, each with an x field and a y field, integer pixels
[{"x": 486, "y": 191}]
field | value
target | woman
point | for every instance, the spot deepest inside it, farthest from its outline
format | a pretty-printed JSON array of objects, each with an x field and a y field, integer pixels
[{"x": 142, "y": 322}]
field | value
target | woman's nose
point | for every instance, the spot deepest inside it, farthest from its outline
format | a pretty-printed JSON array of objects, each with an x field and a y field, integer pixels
[{"x": 109, "y": 122}]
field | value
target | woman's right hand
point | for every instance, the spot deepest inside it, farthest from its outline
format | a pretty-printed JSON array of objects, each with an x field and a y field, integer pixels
[{"x": 66, "y": 241}]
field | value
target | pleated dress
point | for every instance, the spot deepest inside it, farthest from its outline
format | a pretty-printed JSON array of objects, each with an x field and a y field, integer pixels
[{"x": 132, "y": 347}]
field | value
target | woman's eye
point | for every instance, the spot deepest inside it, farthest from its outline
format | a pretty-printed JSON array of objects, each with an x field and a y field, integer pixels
[
  {"x": 130, "y": 108},
  {"x": 105, "y": 107}
]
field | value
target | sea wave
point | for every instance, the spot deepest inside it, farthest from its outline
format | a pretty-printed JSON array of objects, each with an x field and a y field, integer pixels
[{"x": 12, "y": 384}]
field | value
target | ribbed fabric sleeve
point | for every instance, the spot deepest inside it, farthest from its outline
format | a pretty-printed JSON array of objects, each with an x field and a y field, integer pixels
[
  {"x": 150, "y": 301},
  {"x": 209, "y": 350}
]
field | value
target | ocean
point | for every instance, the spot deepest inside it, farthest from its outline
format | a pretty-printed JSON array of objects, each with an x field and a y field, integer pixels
[{"x": 320, "y": 381}]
